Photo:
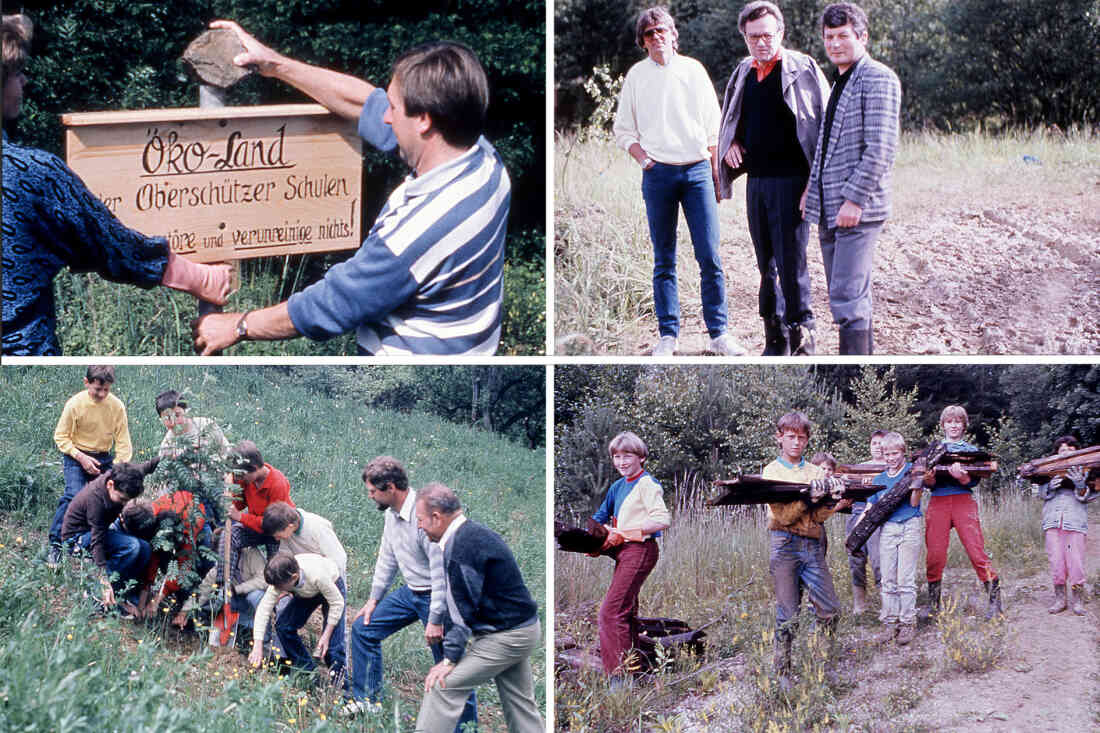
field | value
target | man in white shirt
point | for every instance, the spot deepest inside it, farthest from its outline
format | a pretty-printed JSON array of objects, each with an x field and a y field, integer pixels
[
  {"x": 668, "y": 120},
  {"x": 423, "y": 597}
]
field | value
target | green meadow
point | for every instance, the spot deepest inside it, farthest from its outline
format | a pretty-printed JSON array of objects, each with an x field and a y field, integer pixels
[{"x": 60, "y": 669}]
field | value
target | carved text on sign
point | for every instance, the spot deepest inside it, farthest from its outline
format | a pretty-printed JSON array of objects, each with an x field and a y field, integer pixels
[{"x": 226, "y": 184}]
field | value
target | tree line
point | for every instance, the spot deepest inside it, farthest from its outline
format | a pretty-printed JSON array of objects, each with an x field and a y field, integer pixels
[
  {"x": 963, "y": 64},
  {"x": 703, "y": 423}
]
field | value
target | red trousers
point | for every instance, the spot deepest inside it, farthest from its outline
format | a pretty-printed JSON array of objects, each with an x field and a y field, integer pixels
[
  {"x": 618, "y": 614},
  {"x": 961, "y": 512}
]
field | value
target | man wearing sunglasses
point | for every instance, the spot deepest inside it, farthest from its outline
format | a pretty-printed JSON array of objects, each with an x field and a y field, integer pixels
[{"x": 668, "y": 121}]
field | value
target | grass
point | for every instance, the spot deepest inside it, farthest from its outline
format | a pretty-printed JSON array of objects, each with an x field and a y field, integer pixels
[
  {"x": 603, "y": 254},
  {"x": 714, "y": 570},
  {"x": 143, "y": 678},
  {"x": 98, "y": 317}
]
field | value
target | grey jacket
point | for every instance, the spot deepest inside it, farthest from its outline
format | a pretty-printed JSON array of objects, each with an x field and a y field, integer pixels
[
  {"x": 1063, "y": 508},
  {"x": 805, "y": 90},
  {"x": 863, "y": 142}
]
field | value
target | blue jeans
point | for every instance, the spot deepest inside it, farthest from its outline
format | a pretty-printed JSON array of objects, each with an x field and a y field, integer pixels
[
  {"x": 294, "y": 617},
  {"x": 75, "y": 478},
  {"x": 779, "y": 236},
  {"x": 126, "y": 555},
  {"x": 848, "y": 255},
  {"x": 797, "y": 563},
  {"x": 393, "y": 613},
  {"x": 665, "y": 189}
]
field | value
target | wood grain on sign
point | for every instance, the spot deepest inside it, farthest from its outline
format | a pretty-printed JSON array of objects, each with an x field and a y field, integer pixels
[{"x": 229, "y": 183}]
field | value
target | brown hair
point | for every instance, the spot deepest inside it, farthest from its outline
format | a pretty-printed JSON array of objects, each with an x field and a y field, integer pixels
[
  {"x": 655, "y": 16},
  {"x": 278, "y": 516},
  {"x": 841, "y": 14},
  {"x": 384, "y": 470},
  {"x": 281, "y": 569},
  {"x": 628, "y": 442},
  {"x": 445, "y": 80},
  {"x": 16, "y": 41},
  {"x": 758, "y": 9},
  {"x": 795, "y": 421},
  {"x": 100, "y": 373},
  {"x": 247, "y": 456}
]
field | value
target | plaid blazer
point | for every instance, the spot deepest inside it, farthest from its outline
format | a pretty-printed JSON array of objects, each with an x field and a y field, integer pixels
[{"x": 862, "y": 144}]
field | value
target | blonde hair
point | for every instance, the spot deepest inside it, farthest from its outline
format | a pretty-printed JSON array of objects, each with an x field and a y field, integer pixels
[
  {"x": 628, "y": 442},
  {"x": 893, "y": 440},
  {"x": 954, "y": 412}
]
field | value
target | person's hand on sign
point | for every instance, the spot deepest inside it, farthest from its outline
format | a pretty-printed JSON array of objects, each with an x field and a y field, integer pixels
[
  {"x": 255, "y": 53},
  {"x": 212, "y": 283},
  {"x": 215, "y": 332}
]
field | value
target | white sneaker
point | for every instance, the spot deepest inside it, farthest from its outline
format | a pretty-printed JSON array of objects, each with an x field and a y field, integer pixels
[
  {"x": 725, "y": 345},
  {"x": 360, "y": 707},
  {"x": 666, "y": 346}
]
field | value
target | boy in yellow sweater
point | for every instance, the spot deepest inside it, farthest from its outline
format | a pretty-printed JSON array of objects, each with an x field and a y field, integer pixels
[
  {"x": 91, "y": 423},
  {"x": 797, "y": 557}
]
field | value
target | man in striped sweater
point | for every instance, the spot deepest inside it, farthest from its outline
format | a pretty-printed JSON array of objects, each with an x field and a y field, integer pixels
[{"x": 427, "y": 279}]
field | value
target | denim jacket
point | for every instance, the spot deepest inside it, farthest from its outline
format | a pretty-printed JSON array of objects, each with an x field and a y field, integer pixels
[{"x": 1063, "y": 508}]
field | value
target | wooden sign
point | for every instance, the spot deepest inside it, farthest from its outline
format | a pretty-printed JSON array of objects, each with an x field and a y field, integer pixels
[{"x": 228, "y": 183}]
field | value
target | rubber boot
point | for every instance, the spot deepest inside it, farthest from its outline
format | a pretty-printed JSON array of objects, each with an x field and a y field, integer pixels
[
  {"x": 1059, "y": 604},
  {"x": 783, "y": 640},
  {"x": 775, "y": 338},
  {"x": 994, "y": 587},
  {"x": 854, "y": 342},
  {"x": 1076, "y": 594},
  {"x": 933, "y": 598},
  {"x": 801, "y": 340},
  {"x": 859, "y": 600}
]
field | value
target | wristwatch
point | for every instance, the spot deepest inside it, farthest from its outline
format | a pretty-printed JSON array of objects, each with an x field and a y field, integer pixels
[{"x": 242, "y": 327}]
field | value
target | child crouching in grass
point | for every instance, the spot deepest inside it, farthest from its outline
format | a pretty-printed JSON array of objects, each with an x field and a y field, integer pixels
[
  {"x": 899, "y": 547},
  {"x": 1065, "y": 529}
]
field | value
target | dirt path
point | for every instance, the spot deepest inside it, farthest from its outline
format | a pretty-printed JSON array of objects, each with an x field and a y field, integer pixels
[
  {"x": 1045, "y": 682},
  {"x": 1046, "y": 679},
  {"x": 983, "y": 275}
]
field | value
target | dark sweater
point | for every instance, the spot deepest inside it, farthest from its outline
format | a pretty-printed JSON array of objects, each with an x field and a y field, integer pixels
[
  {"x": 92, "y": 511},
  {"x": 767, "y": 129},
  {"x": 485, "y": 586}
]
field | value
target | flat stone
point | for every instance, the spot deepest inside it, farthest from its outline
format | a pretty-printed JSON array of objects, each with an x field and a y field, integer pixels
[{"x": 210, "y": 58}]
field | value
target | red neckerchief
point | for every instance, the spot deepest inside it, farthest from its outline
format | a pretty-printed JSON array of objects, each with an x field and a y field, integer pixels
[{"x": 763, "y": 69}]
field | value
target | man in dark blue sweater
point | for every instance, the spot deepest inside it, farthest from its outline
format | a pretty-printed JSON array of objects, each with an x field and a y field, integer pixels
[{"x": 488, "y": 600}]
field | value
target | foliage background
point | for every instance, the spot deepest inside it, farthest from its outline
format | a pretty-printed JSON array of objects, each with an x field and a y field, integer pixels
[
  {"x": 91, "y": 55},
  {"x": 704, "y": 422},
  {"x": 962, "y": 64},
  {"x": 60, "y": 671}
]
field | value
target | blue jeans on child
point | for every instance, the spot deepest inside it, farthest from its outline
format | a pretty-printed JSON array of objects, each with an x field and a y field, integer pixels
[
  {"x": 665, "y": 189},
  {"x": 75, "y": 478},
  {"x": 797, "y": 563},
  {"x": 294, "y": 617},
  {"x": 393, "y": 613},
  {"x": 126, "y": 555}
]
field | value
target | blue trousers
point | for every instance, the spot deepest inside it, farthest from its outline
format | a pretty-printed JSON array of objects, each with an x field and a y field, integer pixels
[
  {"x": 294, "y": 617},
  {"x": 126, "y": 555},
  {"x": 799, "y": 563},
  {"x": 667, "y": 188},
  {"x": 779, "y": 236},
  {"x": 75, "y": 478},
  {"x": 393, "y": 613},
  {"x": 848, "y": 254}
]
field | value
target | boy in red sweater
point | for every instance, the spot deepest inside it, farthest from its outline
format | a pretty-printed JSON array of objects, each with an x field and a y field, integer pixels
[{"x": 262, "y": 484}]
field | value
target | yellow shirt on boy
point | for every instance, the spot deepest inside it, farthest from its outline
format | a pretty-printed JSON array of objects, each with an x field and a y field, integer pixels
[
  {"x": 93, "y": 427},
  {"x": 797, "y": 517}
]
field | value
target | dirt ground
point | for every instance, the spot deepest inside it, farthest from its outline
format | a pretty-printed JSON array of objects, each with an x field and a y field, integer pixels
[
  {"x": 1014, "y": 270},
  {"x": 1045, "y": 681}
]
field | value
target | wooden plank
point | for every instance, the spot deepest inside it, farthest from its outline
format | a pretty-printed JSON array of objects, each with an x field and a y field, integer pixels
[
  {"x": 1044, "y": 469},
  {"x": 226, "y": 184}
]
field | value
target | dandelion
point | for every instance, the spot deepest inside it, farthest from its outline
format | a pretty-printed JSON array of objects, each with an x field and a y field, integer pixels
[
  {"x": 322, "y": 715},
  {"x": 69, "y": 637},
  {"x": 19, "y": 540},
  {"x": 292, "y": 721}
]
